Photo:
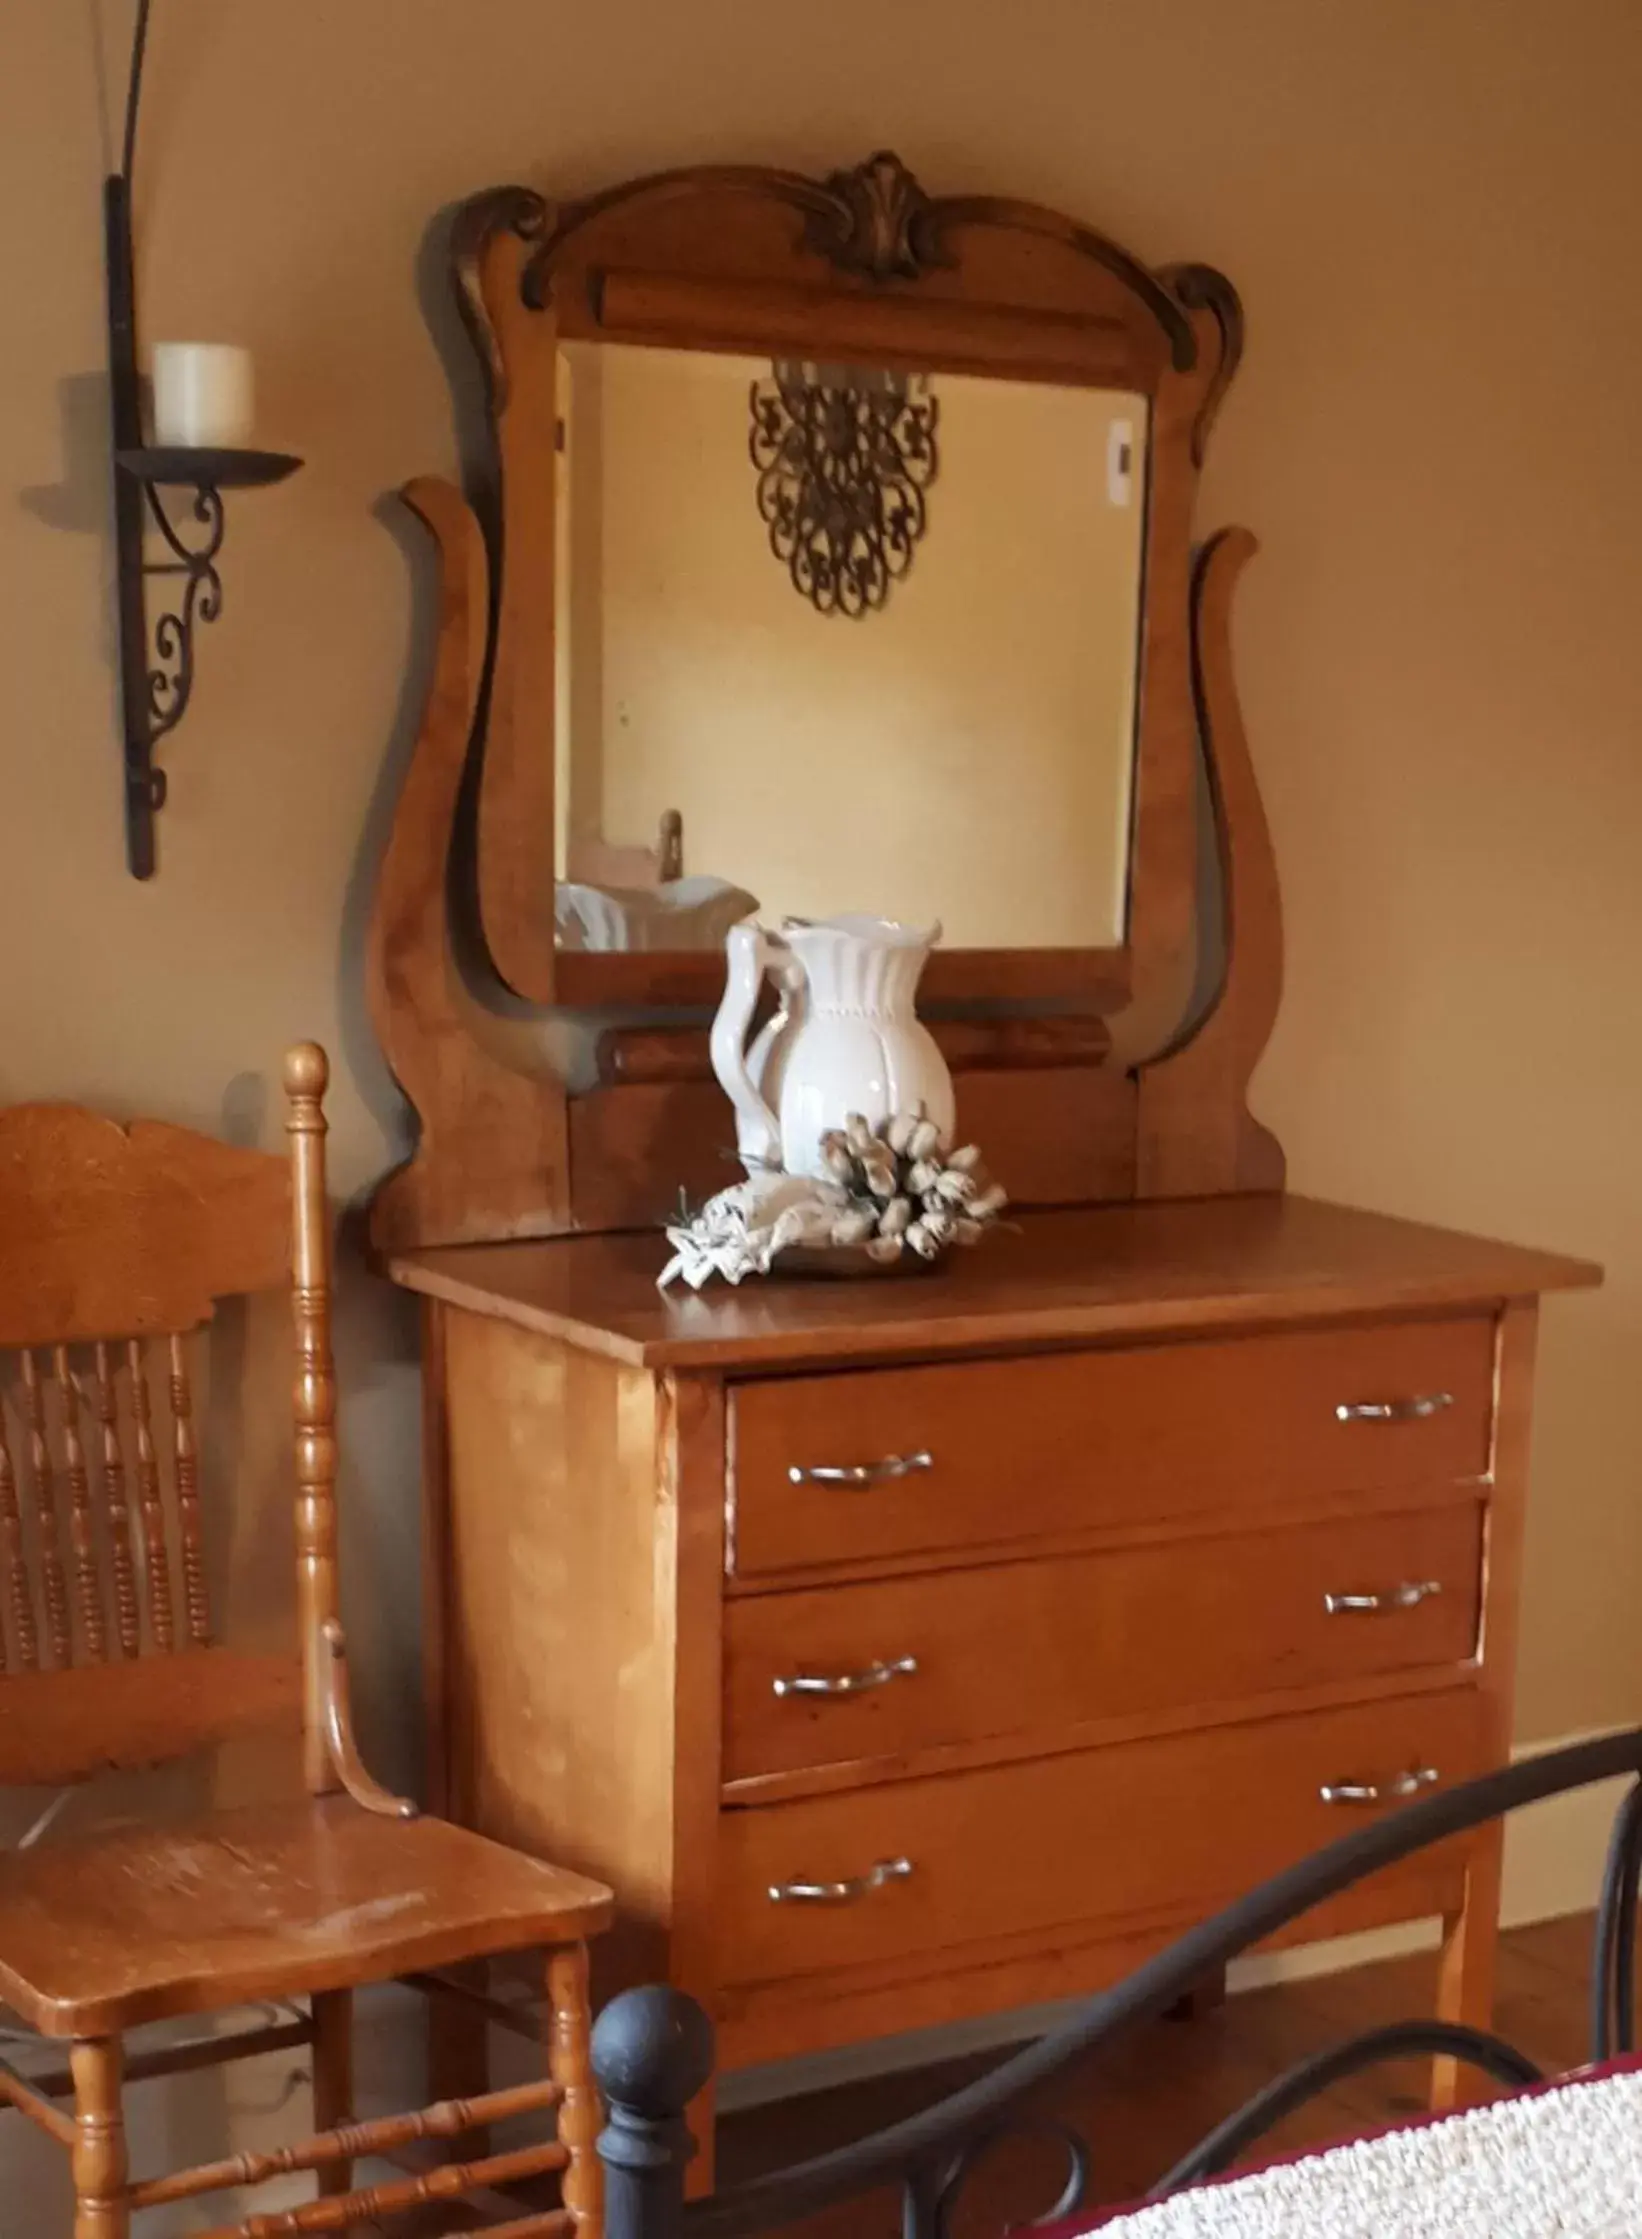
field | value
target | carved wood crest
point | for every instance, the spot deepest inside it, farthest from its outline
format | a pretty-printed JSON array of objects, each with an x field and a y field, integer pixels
[{"x": 876, "y": 221}]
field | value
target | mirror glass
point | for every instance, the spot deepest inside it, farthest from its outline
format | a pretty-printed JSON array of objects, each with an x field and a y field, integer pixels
[{"x": 843, "y": 638}]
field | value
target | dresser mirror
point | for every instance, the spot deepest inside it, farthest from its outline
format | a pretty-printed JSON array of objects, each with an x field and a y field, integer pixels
[
  {"x": 842, "y": 539},
  {"x": 842, "y": 636}
]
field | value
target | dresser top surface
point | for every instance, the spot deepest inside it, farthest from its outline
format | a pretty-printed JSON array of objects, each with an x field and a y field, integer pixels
[{"x": 1095, "y": 1273}]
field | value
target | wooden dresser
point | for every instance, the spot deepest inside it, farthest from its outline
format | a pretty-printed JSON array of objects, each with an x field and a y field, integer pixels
[
  {"x": 914, "y": 1649},
  {"x": 903, "y": 1649}
]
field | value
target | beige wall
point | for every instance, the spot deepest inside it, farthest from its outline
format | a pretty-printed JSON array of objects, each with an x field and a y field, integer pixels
[
  {"x": 1430, "y": 209},
  {"x": 960, "y": 756}
]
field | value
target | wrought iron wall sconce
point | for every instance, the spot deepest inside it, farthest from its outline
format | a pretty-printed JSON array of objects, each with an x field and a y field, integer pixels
[
  {"x": 157, "y": 659},
  {"x": 844, "y": 454}
]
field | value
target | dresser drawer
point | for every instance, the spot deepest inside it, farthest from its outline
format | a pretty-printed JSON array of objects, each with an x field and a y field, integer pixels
[
  {"x": 906, "y": 1462},
  {"x": 1174, "y": 1827},
  {"x": 887, "y": 1667}
]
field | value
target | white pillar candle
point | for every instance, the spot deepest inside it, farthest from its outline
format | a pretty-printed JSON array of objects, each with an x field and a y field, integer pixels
[{"x": 202, "y": 395}]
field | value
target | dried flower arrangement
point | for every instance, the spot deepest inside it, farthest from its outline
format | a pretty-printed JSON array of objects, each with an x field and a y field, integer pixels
[
  {"x": 904, "y": 1194},
  {"x": 890, "y": 1195}
]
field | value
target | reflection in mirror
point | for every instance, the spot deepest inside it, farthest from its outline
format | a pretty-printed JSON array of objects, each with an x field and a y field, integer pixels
[{"x": 834, "y": 637}]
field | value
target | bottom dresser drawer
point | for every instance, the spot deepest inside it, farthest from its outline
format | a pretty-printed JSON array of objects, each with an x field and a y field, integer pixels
[{"x": 1177, "y": 1826}]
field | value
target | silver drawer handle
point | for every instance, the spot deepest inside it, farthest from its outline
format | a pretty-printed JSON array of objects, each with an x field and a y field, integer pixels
[
  {"x": 860, "y": 1473},
  {"x": 1380, "y": 1792},
  {"x": 840, "y": 1892},
  {"x": 877, "y": 1674},
  {"x": 1408, "y": 1595},
  {"x": 1414, "y": 1410}
]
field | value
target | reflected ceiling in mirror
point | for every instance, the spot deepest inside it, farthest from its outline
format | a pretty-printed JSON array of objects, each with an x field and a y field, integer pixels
[{"x": 843, "y": 638}]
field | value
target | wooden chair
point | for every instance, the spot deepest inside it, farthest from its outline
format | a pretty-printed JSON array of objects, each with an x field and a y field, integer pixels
[{"x": 114, "y": 1245}]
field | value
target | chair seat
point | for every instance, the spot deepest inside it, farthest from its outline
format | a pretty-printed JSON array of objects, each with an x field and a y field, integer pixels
[
  {"x": 268, "y": 1902},
  {"x": 1562, "y": 2162}
]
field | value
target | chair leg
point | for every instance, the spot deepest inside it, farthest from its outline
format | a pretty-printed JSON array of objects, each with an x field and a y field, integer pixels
[
  {"x": 102, "y": 2208},
  {"x": 459, "y": 2048},
  {"x": 569, "y": 2063},
  {"x": 333, "y": 2078},
  {"x": 1465, "y": 1971}
]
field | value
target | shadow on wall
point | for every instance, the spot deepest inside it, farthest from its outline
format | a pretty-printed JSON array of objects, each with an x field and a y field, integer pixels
[{"x": 80, "y": 501}]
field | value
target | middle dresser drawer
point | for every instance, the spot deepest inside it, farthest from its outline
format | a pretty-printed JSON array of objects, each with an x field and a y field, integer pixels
[
  {"x": 888, "y": 1463},
  {"x": 890, "y": 1667}
]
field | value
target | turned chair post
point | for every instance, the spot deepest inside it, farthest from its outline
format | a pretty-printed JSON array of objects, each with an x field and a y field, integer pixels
[
  {"x": 307, "y": 1074},
  {"x": 332, "y": 2012},
  {"x": 101, "y": 2202},
  {"x": 569, "y": 2064},
  {"x": 652, "y": 2052}
]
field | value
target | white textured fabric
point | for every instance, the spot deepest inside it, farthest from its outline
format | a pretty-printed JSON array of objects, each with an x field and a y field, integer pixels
[{"x": 1559, "y": 2164}]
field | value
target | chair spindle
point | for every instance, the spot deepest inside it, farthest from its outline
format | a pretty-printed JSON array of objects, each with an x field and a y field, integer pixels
[
  {"x": 53, "y": 1577},
  {"x": 82, "y": 1536},
  {"x": 117, "y": 1516},
  {"x": 314, "y": 1401},
  {"x": 186, "y": 1455},
  {"x": 25, "y": 1640},
  {"x": 150, "y": 1512}
]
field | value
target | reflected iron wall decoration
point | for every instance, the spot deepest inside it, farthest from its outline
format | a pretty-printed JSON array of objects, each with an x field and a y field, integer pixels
[{"x": 844, "y": 456}]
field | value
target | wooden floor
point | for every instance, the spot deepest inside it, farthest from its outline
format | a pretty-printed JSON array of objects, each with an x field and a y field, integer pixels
[{"x": 1144, "y": 2103}]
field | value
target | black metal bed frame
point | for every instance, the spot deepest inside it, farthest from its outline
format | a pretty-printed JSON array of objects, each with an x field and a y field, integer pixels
[{"x": 653, "y": 2048}]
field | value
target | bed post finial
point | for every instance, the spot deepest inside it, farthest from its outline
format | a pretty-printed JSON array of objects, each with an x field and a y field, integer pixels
[{"x": 652, "y": 2052}]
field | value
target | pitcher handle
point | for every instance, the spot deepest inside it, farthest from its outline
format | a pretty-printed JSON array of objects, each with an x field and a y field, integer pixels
[{"x": 748, "y": 950}]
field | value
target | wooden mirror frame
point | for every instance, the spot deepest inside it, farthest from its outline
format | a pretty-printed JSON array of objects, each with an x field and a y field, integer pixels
[{"x": 863, "y": 264}]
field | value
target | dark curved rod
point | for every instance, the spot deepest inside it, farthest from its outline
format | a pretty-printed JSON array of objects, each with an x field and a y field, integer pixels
[
  {"x": 134, "y": 89},
  {"x": 1397, "y": 2039},
  {"x": 888, "y": 2155},
  {"x": 1613, "y": 1948}
]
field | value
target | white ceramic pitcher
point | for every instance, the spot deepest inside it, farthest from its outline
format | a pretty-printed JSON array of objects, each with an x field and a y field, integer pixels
[{"x": 846, "y": 1038}]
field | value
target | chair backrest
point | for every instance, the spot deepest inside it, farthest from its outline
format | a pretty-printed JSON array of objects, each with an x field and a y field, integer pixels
[{"x": 115, "y": 1245}]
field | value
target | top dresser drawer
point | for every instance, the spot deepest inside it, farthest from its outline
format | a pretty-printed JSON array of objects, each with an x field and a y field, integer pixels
[{"x": 885, "y": 1463}]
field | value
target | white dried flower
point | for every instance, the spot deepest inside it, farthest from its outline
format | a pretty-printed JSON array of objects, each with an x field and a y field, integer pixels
[
  {"x": 955, "y": 1188},
  {"x": 879, "y": 1170},
  {"x": 895, "y": 1216},
  {"x": 990, "y": 1203},
  {"x": 925, "y": 1137},
  {"x": 923, "y": 1241},
  {"x": 899, "y": 1130},
  {"x": 835, "y": 1157},
  {"x": 858, "y": 1132},
  {"x": 884, "y": 1249},
  {"x": 966, "y": 1159},
  {"x": 852, "y": 1228},
  {"x": 968, "y": 1232},
  {"x": 939, "y": 1223},
  {"x": 922, "y": 1176}
]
